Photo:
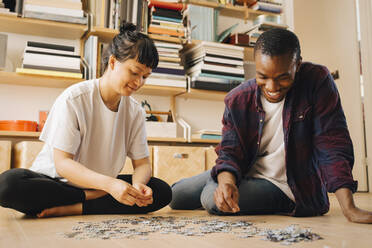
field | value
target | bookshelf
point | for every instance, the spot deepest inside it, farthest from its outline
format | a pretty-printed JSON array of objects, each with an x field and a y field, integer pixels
[
  {"x": 28, "y": 26},
  {"x": 230, "y": 10}
]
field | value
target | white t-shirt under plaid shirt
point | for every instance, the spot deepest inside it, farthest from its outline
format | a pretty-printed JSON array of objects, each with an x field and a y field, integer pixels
[{"x": 79, "y": 123}]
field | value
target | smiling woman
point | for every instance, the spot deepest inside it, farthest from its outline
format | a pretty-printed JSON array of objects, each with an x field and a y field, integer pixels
[{"x": 90, "y": 130}]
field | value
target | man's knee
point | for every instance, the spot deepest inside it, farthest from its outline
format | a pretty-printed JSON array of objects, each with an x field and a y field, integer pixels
[
  {"x": 208, "y": 203},
  {"x": 181, "y": 195}
]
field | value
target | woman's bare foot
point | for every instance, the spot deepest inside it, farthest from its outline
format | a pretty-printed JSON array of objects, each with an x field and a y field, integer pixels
[{"x": 75, "y": 209}]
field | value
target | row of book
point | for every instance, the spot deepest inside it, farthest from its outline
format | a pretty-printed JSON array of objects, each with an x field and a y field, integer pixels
[
  {"x": 110, "y": 13},
  {"x": 50, "y": 60}
]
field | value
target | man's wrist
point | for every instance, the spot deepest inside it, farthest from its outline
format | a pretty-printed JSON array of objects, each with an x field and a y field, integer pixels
[{"x": 226, "y": 177}]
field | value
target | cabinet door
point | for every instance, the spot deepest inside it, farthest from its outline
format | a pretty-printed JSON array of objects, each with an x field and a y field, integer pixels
[
  {"x": 128, "y": 167},
  {"x": 5, "y": 151},
  {"x": 25, "y": 153},
  {"x": 210, "y": 158},
  {"x": 174, "y": 163},
  {"x": 328, "y": 35}
]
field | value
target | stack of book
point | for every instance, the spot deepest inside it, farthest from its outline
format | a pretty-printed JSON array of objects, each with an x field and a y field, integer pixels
[
  {"x": 272, "y": 6},
  {"x": 208, "y": 134},
  {"x": 166, "y": 29},
  {"x": 54, "y": 10},
  {"x": 213, "y": 66},
  {"x": 166, "y": 19},
  {"x": 50, "y": 60}
]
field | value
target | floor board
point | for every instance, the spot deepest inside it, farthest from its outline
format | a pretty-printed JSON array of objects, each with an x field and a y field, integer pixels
[{"x": 16, "y": 230}]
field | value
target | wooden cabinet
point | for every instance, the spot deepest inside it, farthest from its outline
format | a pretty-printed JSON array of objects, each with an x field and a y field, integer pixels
[
  {"x": 5, "y": 153},
  {"x": 25, "y": 153},
  {"x": 210, "y": 158},
  {"x": 172, "y": 163}
]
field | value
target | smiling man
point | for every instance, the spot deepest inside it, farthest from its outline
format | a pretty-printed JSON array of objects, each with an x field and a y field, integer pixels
[{"x": 285, "y": 142}]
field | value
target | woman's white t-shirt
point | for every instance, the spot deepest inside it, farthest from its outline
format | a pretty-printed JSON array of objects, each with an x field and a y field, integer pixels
[{"x": 79, "y": 123}]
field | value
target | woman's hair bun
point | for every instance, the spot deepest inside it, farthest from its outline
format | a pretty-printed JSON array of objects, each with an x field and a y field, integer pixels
[{"x": 127, "y": 27}]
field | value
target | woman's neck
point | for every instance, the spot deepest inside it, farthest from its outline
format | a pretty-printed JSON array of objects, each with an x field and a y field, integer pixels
[{"x": 109, "y": 96}]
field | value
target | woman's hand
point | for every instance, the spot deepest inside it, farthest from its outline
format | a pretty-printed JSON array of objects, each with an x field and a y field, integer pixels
[
  {"x": 125, "y": 193},
  {"x": 146, "y": 192}
]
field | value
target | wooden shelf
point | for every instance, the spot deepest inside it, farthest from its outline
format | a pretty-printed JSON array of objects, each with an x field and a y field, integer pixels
[
  {"x": 55, "y": 82},
  {"x": 160, "y": 90},
  {"x": 205, "y": 95},
  {"x": 160, "y": 139},
  {"x": 208, "y": 141},
  {"x": 33, "y": 80},
  {"x": 229, "y": 9},
  {"x": 104, "y": 34},
  {"x": 107, "y": 34},
  {"x": 19, "y": 134},
  {"x": 28, "y": 26}
]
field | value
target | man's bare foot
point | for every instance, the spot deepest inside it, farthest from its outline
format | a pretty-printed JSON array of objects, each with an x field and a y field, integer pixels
[
  {"x": 75, "y": 209},
  {"x": 93, "y": 194}
]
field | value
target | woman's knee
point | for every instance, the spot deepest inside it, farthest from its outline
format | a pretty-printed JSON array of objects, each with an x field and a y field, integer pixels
[
  {"x": 162, "y": 191},
  {"x": 9, "y": 181}
]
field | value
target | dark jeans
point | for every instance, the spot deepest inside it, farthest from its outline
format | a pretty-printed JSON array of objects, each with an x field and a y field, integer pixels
[
  {"x": 256, "y": 196},
  {"x": 30, "y": 193}
]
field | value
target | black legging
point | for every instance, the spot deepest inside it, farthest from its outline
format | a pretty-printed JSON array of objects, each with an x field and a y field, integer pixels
[{"x": 30, "y": 193}]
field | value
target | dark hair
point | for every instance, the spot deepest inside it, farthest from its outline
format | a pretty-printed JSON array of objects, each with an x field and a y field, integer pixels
[
  {"x": 130, "y": 44},
  {"x": 276, "y": 41}
]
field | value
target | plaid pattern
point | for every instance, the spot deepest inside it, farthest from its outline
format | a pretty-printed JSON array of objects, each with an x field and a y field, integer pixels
[{"x": 319, "y": 151}]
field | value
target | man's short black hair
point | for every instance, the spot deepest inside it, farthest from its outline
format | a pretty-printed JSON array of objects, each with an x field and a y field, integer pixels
[{"x": 276, "y": 42}]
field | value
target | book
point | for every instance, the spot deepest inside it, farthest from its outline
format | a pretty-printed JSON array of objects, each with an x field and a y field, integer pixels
[
  {"x": 167, "y": 13},
  {"x": 51, "y": 46},
  {"x": 51, "y": 68},
  {"x": 56, "y": 4},
  {"x": 206, "y": 136},
  {"x": 162, "y": 18},
  {"x": 53, "y": 10},
  {"x": 90, "y": 55},
  {"x": 168, "y": 71},
  {"x": 214, "y": 86},
  {"x": 49, "y": 73},
  {"x": 167, "y": 45},
  {"x": 209, "y": 131},
  {"x": 157, "y": 37},
  {"x": 156, "y": 30},
  {"x": 165, "y": 82},
  {"x": 226, "y": 32},
  {"x": 53, "y": 17},
  {"x": 38, "y": 59},
  {"x": 165, "y": 5},
  {"x": 217, "y": 69},
  {"x": 268, "y": 7},
  {"x": 167, "y": 24}
]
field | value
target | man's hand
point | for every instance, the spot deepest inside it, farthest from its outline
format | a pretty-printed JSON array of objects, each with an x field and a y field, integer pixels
[
  {"x": 226, "y": 195},
  {"x": 125, "y": 193},
  {"x": 351, "y": 212},
  {"x": 226, "y": 198},
  {"x": 146, "y": 192}
]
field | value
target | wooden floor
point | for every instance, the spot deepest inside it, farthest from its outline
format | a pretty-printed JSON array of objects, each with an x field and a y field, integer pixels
[{"x": 16, "y": 230}]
